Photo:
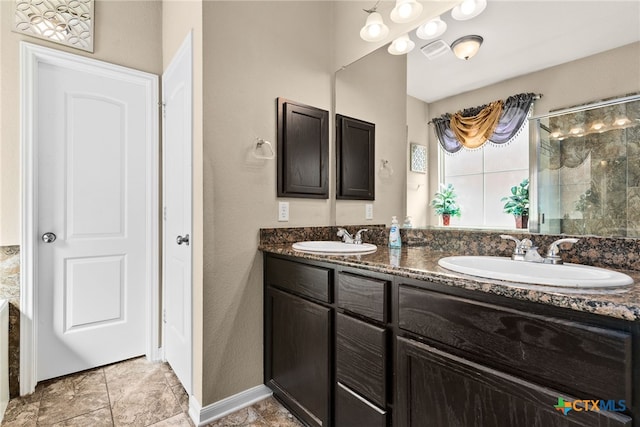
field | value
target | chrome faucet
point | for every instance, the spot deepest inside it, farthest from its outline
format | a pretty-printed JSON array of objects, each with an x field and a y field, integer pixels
[
  {"x": 358, "y": 238},
  {"x": 346, "y": 237},
  {"x": 553, "y": 254},
  {"x": 522, "y": 246}
]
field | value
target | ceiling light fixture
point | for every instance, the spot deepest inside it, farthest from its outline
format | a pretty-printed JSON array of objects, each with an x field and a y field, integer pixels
[
  {"x": 374, "y": 28},
  {"x": 466, "y": 46},
  {"x": 431, "y": 29},
  {"x": 406, "y": 11},
  {"x": 401, "y": 45},
  {"x": 468, "y": 9}
]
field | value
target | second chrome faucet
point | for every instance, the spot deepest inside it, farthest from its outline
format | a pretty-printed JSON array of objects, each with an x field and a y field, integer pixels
[{"x": 525, "y": 251}]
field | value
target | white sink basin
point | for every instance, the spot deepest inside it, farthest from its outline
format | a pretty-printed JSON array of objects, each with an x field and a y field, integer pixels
[
  {"x": 333, "y": 247},
  {"x": 564, "y": 275}
]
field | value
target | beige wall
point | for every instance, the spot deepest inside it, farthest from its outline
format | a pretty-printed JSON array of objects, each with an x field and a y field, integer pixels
[
  {"x": 417, "y": 183},
  {"x": 609, "y": 74},
  {"x": 365, "y": 91},
  {"x": 254, "y": 52},
  {"x": 120, "y": 38},
  {"x": 179, "y": 18}
]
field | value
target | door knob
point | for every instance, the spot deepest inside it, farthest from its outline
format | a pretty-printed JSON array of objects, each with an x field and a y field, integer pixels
[
  {"x": 180, "y": 240},
  {"x": 48, "y": 237}
]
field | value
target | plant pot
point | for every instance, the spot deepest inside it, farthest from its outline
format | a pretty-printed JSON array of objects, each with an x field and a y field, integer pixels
[
  {"x": 445, "y": 219},
  {"x": 522, "y": 221}
]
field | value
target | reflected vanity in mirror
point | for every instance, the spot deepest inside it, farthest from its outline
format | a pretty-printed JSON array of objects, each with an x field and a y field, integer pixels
[
  {"x": 598, "y": 67},
  {"x": 587, "y": 169}
]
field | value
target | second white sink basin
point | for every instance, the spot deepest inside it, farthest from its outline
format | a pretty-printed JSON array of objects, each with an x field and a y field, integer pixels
[
  {"x": 564, "y": 275},
  {"x": 333, "y": 247}
]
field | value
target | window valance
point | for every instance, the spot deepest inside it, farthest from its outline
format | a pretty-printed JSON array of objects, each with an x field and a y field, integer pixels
[{"x": 497, "y": 122}]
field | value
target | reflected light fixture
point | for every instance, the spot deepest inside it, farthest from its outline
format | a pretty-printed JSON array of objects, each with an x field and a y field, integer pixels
[
  {"x": 406, "y": 11},
  {"x": 374, "y": 28},
  {"x": 431, "y": 29},
  {"x": 401, "y": 45},
  {"x": 466, "y": 46},
  {"x": 468, "y": 9}
]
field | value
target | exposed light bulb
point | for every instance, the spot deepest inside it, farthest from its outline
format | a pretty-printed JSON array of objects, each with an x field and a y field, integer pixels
[
  {"x": 555, "y": 134},
  {"x": 374, "y": 30},
  {"x": 576, "y": 130},
  {"x": 622, "y": 121},
  {"x": 467, "y": 7},
  {"x": 430, "y": 28},
  {"x": 401, "y": 45},
  {"x": 405, "y": 10},
  {"x": 597, "y": 126}
]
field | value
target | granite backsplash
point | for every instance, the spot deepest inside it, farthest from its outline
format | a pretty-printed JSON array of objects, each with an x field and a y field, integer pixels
[{"x": 615, "y": 253}]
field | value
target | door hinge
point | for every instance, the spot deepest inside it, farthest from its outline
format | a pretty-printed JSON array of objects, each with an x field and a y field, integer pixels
[
  {"x": 164, "y": 315},
  {"x": 163, "y": 105},
  {"x": 164, "y": 213}
]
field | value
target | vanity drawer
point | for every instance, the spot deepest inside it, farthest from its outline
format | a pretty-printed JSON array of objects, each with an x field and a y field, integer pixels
[
  {"x": 303, "y": 279},
  {"x": 363, "y": 295},
  {"x": 361, "y": 358},
  {"x": 589, "y": 361},
  {"x": 354, "y": 411}
]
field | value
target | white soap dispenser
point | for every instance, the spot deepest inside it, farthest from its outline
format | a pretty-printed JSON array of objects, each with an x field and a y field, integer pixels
[{"x": 394, "y": 234}]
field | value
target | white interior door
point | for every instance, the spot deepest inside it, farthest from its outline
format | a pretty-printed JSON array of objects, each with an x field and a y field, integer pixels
[
  {"x": 178, "y": 111},
  {"x": 93, "y": 147}
]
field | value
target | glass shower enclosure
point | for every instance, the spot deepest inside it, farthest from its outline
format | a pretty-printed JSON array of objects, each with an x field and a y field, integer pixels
[{"x": 585, "y": 166}]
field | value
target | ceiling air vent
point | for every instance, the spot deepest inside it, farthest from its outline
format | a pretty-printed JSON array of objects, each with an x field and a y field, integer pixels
[{"x": 435, "y": 49}]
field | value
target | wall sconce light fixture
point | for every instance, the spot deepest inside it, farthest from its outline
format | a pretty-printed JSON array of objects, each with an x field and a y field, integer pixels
[
  {"x": 468, "y": 9},
  {"x": 431, "y": 29},
  {"x": 374, "y": 28},
  {"x": 401, "y": 45},
  {"x": 406, "y": 11},
  {"x": 466, "y": 46}
]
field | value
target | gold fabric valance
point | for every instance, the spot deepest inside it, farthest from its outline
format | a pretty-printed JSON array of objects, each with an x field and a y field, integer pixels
[{"x": 474, "y": 131}]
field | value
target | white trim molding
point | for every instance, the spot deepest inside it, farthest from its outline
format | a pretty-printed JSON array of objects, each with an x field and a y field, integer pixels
[
  {"x": 31, "y": 56},
  {"x": 202, "y": 416}
]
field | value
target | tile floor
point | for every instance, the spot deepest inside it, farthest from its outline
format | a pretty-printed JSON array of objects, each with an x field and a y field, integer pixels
[{"x": 131, "y": 393}]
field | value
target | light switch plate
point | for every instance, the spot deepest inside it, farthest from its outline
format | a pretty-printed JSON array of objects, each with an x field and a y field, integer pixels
[
  {"x": 368, "y": 211},
  {"x": 283, "y": 211}
]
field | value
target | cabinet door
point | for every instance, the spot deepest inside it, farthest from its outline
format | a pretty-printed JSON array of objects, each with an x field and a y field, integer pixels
[
  {"x": 355, "y": 154},
  {"x": 303, "y": 150},
  {"x": 298, "y": 355},
  {"x": 437, "y": 389}
]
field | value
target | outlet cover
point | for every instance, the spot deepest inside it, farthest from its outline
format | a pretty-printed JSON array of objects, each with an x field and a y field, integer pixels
[
  {"x": 283, "y": 211},
  {"x": 368, "y": 211}
]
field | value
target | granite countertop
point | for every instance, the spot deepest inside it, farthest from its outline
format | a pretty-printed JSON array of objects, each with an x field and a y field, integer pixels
[{"x": 422, "y": 263}]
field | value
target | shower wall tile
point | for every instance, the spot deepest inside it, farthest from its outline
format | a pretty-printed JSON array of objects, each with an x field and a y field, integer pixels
[{"x": 10, "y": 290}]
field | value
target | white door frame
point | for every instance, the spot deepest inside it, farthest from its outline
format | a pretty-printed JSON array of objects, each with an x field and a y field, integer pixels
[{"x": 30, "y": 56}]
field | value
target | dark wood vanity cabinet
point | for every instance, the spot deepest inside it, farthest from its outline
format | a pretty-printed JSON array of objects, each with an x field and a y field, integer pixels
[
  {"x": 298, "y": 338},
  {"x": 361, "y": 351},
  {"x": 347, "y": 347},
  {"x": 468, "y": 363}
]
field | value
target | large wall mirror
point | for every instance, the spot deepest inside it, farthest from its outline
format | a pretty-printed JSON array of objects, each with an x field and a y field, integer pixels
[{"x": 572, "y": 52}]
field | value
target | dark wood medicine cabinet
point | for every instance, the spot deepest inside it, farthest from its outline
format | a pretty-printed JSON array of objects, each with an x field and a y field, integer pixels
[
  {"x": 355, "y": 157},
  {"x": 303, "y": 150}
]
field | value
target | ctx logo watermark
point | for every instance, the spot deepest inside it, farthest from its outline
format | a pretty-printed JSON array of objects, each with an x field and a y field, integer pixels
[{"x": 565, "y": 406}]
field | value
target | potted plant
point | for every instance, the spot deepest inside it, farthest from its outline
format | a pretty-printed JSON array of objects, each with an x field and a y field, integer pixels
[
  {"x": 444, "y": 203},
  {"x": 517, "y": 203}
]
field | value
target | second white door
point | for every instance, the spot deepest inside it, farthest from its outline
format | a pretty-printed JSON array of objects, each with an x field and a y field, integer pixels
[{"x": 178, "y": 101}]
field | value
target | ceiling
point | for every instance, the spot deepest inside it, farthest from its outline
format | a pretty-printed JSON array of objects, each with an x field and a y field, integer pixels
[{"x": 521, "y": 37}]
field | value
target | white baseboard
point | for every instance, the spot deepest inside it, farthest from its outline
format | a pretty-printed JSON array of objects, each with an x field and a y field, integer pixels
[{"x": 221, "y": 408}]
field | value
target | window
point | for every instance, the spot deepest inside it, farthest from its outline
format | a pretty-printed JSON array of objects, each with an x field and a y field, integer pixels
[{"x": 484, "y": 176}]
